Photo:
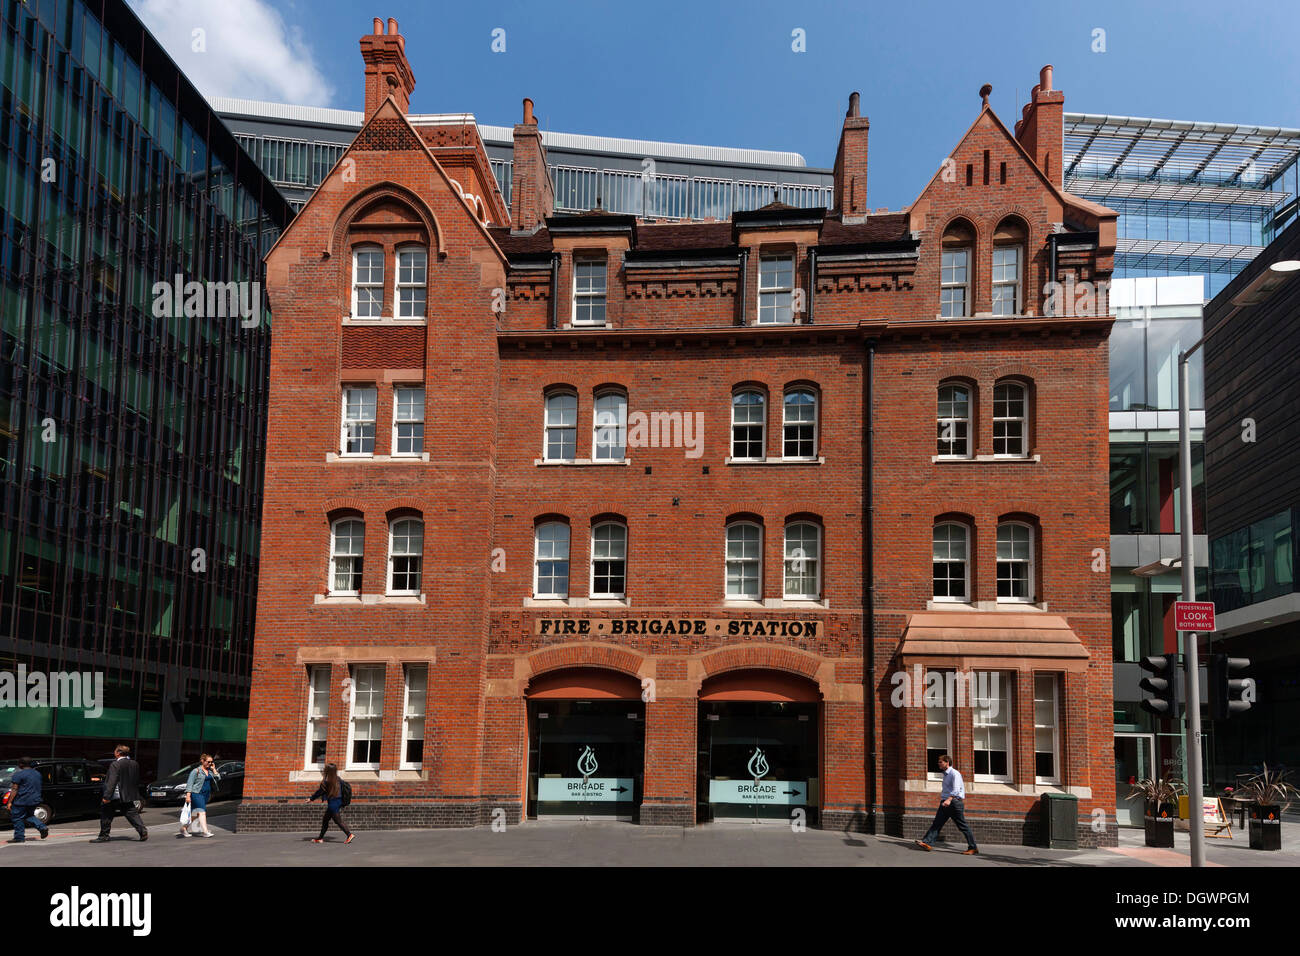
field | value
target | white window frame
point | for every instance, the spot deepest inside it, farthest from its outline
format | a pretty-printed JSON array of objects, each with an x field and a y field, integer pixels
[
  {"x": 964, "y": 598},
  {"x": 769, "y": 296},
  {"x": 1005, "y": 720},
  {"x": 412, "y": 712},
  {"x": 1004, "y": 283},
  {"x": 762, "y": 424},
  {"x": 537, "y": 560},
  {"x": 398, "y": 420},
  {"x": 335, "y": 556},
  {"x": 591, "y": 584},
  {"x": 317, "y": 695},
  {"x": 412, "y": 285},
  {"x": 619, "y": 428},
  {"x": 587, "y": 292},
  {"x": 942, "y": 420},
  {"x": 949, "y": 713},
  {"x": 353, "y": 716},
  {"x": 815, "y": 559},
  {"x": 945, "y": 284},
  {"x": 345, "y": 421},
  {"x": 1027, "y": 562},
  {"x": 786, "y": 423},
  {"x": 1055, "y": 680},
  {"x": 381, "y": 285},
  {"x": 1023, "y": 419},
  {"x": 727, "y": 560},
  {"x": 547, "y": 425},
  {"x": 393, "y": 555}
]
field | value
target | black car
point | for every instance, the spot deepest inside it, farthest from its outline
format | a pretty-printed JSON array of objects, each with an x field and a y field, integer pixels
[
  {"x": 70, "y": 787},
  {"x": 171, "y": 789}
]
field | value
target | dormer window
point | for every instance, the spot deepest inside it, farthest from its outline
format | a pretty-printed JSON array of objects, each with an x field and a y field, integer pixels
[
  {"x": 775, "y": 289},
  {"x": 412, "y": 277},
  {"x": 954, "y": 294},
  {"x": 367, "y": 282},
  {"x": 1008, "y": 267},
  {"x": 589, "y": 290}
]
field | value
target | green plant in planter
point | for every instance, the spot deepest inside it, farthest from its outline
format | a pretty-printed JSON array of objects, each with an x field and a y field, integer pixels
[
  {"x": 1269, "y": 794},
  {"x": 1158, "y": 792}
]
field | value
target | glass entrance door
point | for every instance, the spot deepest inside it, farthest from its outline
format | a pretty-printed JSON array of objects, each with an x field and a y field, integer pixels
[
  {"x": 757, "y": 760},
  {"x": 1135, "y": 758},
  {"x": 585, "y": 758}
]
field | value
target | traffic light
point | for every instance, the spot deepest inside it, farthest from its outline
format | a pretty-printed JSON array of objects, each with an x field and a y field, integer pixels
[
  {"x": 1163, "y": 685},
  {"x": 1223, "y": 687}
]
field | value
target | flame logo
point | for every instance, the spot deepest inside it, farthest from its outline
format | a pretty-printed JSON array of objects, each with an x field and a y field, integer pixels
[
  {"x": 587, "y": 762},
  {"x": 758, "y": 764}
]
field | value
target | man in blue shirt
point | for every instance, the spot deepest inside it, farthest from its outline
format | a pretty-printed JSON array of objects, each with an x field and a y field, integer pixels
[
  {"x": 952, "y": 800},
  {"x": 24, "y": 796}
]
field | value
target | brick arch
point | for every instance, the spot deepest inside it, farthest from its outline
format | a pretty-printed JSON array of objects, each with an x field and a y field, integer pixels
[
  {"x": 968, "y": 373},
  {"x": 613, "y": 657},
  {"x": 762, "y": 657},
  {"x": 377, "y": 193},
  {"x": 995, "y": 216},
  {"x": 404, "y": 505},
  {"x": 344, "y": 503},
  {"x": 1013, "y": 370}
]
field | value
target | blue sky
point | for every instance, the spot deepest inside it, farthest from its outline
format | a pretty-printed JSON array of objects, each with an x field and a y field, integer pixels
[{"x": 726, "y": 73}]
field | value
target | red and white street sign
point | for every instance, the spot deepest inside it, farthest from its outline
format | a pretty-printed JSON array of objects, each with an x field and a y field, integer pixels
[{"x": 1194, "y": 615}]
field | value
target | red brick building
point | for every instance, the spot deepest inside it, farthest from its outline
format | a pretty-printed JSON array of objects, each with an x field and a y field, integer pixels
[{"x": 603, "y": 516}]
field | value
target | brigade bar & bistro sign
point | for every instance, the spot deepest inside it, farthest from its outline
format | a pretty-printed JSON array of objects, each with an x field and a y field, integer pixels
[{"x": 692, "y": 626}]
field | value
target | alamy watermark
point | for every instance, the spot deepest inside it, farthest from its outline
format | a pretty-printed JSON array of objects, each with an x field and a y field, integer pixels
[
  {"x": 924, "y": 688},
  {"x": 68, "y": 690},
  {"x": 177, "y": 298}
]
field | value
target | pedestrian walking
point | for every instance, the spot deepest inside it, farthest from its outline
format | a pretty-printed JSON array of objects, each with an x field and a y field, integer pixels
[
  {"x": 24, "y": 797},
  {"x": 121, "y": 795},
  {"x": 198, "y": 788},
  {"x": 952, "y": 806},
  {"x": 337, "y": 794}
]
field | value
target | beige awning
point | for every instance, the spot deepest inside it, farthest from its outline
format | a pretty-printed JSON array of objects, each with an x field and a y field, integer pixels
[{"x": 990, "y": 634}]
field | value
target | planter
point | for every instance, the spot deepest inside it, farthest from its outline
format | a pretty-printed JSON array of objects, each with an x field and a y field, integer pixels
[
  {"x": 1159, "y": 824},
  {"x": 1265, "y": 826}
]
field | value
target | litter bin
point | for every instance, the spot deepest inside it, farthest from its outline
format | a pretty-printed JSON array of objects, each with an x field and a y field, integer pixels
[{"x": 1060, "y": 813}]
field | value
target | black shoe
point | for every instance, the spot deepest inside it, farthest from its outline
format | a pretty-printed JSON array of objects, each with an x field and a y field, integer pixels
[
  {"x": 144, "y": 836},
  {"x": 102, "y": 839},
  {"x": 45, "y": 833},
  {"x": 15, "y": 841}
]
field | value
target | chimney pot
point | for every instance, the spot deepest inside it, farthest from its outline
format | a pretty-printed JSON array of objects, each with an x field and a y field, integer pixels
[
  {"x": 853, "y": 104},
  {"x": 392, "y": 26},
  {"x": 379, "y": 26},
  {"x": 528, "y": 112},
  {"x": 1045, "y": 78},
  {"x": 985, "y": 90}
]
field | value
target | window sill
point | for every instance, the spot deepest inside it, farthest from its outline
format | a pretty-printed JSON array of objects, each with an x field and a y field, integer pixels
[
  {"x": 580, "y": 462},
  {"x": 384, "y": 320},
  {"x": 363, "y": 600},
  {"x": 1006, "y": 459},
  {"x": 775, "y": 461},
  {"x": 585, "y": 325},
  {"x": 312, "y": 775},
  {"x": 577, "y": 602},
  {"x": 974, "y": 606},
  {"x": 333, "y": 456}
]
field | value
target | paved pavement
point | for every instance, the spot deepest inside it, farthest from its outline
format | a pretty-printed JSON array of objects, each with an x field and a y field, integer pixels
[{"x": 585, "y": 844}]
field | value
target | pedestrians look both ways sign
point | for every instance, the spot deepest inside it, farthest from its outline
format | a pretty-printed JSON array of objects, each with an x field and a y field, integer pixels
[{"x": 1193, "y": 615}]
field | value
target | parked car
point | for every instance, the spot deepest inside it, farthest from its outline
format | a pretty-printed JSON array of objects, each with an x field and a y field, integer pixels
[
  {"x": 70, "y": 787},
  {"x": 171, "y": 789}
]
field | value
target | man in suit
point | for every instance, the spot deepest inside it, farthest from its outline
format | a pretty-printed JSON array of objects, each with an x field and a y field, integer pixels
[{"x": 121, "y": 791}]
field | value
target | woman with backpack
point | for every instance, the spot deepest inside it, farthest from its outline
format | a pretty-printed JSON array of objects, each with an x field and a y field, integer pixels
[
  {"x": 197, "y": 791},
  {"x": 337, "y": 794}
]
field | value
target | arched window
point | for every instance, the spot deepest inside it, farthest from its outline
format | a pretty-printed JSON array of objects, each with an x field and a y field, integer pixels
[
  {"x": 347, "y": 549},
  {"x": 951, "y": 562},
  {"x": 799, "y": 439},
  {"x": 412, "y": 281},
  {"x": 955, "y": 285},
  {"x": 609, "y": 427},
  {"x": 561, "y": 426},
  {"x": 367, "y": 282},
  {"x": 609, "y": 560},
  {"x": 748, "y": 425},
  {"x": 1010, "y": 420},
  {"x": 1015, "y": 562},
  {"x": 803, "y": 566},
  {"x": 1009, "y": 241},
  {"x": 744, "y": 560},
  {"x": 551, "y": 561},
  {"x": 954, "y": 421},
  {"x": 405, "y": 556}
]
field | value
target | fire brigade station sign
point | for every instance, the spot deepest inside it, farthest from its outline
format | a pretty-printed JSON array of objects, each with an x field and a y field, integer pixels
[{"x": 693, "y": 626}]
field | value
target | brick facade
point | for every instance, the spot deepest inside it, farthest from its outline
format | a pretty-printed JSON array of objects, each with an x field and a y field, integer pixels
[{"x": 679, "y": 338}]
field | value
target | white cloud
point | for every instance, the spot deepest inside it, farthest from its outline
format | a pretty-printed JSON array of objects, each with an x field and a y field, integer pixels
[{"x": 246, "y": 49}]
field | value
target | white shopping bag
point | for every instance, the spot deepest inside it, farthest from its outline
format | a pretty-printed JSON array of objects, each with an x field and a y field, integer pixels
[{"x": 185, "y": 814}]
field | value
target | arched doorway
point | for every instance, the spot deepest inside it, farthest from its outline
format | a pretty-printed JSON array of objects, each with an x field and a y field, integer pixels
[
  {"x": 586, "y": 745},
  {"x": 759, "y": 749}
]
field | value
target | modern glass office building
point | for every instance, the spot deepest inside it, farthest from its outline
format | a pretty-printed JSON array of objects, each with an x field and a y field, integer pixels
[{"x": 131, "y": 424}]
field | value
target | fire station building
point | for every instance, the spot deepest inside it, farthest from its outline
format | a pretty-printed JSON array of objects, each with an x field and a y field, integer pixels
[{"x": 685, "y": 522}]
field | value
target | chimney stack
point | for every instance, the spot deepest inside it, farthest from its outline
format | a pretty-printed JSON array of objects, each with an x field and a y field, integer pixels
[
  {"x": 1041, "y": 129},
  {"x": 851, "y": 164},
  {"x": 532, "y": 194},
  {"x": 388, "y": 72}
]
